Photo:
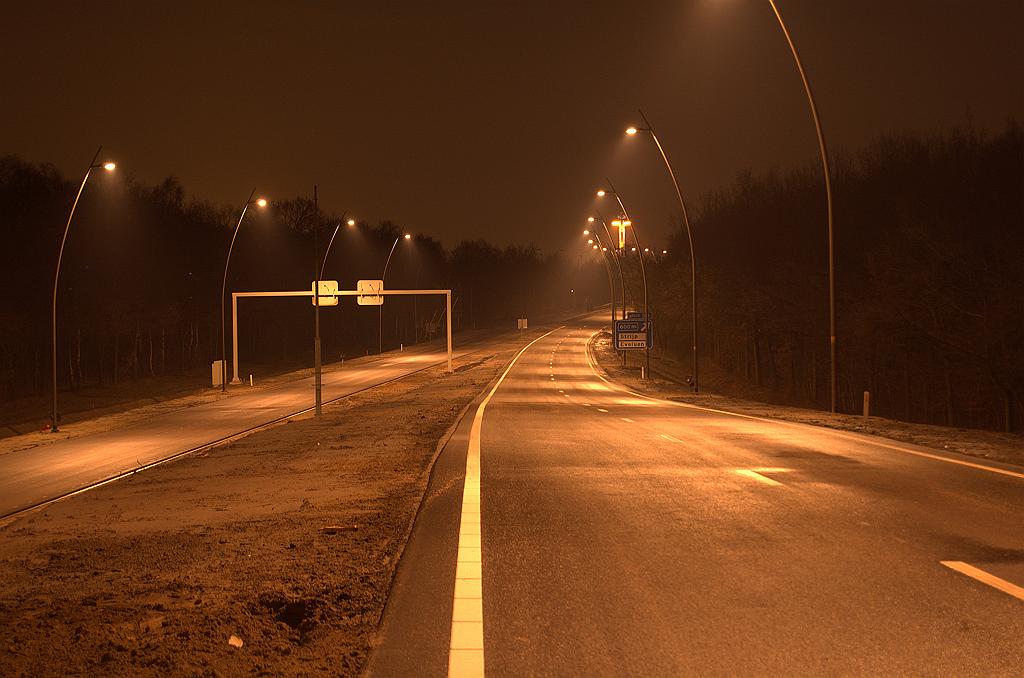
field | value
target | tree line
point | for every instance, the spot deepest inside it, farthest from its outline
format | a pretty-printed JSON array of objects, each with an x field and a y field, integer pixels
[
  {"x": 930, "y": 280},
  {"x": 141, "y": 276}
]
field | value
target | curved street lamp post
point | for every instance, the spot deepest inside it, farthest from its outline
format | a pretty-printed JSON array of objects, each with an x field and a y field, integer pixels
[
  {"x": 380, "y": 309},
  {"x": 823, "y": 151},
  {"x": 603, "y": 251},
  {"x": 261, "y": 202},
  {"x": 342, "y": 221},
  {"x": 643, "y": 270},
  {"x": 689, "y": 238},
  {"x": 108, "y": 166}
]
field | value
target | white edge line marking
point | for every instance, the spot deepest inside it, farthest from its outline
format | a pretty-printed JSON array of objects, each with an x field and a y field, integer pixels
[
  {"x": 628, "y": 420},
  {"x": 985, "y": 578},
  {"x": 756, "y": 476},
  {"x": 835, "y": 432},
  {"x": 669, "y": 438},
  {"x": 466, "y": 644},
  {"x": 601, "y": 409}
]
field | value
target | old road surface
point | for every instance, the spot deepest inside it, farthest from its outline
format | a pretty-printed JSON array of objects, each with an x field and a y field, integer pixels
[
  {"x": 572, "y": 528},
  {"x": 34, "y": 475}
]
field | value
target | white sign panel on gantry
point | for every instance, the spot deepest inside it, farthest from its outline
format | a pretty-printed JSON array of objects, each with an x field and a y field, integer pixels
[
  {"x": 328, "y": 293},
  {"x": 369, "y": 292}
]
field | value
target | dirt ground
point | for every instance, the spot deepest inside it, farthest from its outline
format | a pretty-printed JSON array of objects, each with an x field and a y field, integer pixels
[
  {"x": 270, "y": 556},
  {"x": 1003, "y": 447}
]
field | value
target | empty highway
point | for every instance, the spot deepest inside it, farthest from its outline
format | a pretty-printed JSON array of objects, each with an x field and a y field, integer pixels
[{"x": 572, "y": 528}]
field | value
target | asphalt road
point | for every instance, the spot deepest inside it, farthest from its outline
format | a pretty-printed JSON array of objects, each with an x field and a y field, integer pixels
[
  {"x": 621, "y": 535},
  {"x": 34, "y": 475}
]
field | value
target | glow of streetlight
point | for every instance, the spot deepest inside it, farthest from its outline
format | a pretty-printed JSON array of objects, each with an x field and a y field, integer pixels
[
  {"x": 262, "y": 202},
  {"x": 586, "y": 231},
  {"x": 590, "y": 241},
  {"x": 351, "y": 222},
  {"x": 594, "y": 246},
  {"x": 664, "y": 251},
  {"x": 616, "y": 223},
  {"x": 631, "y": 131},
  {"x": 590, "y": 220},
  {"x": 604, "y": 249},
  {"x": 408, "y": 236},
  {"x": 109, "y": 166},
  {"x": 601, "y": 193}
]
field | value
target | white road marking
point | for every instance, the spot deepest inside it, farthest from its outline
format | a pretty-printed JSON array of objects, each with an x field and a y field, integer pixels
[
  {"x": 584, "y": 404},
  {"x": 985, "y": 578},
  {"x": 663, "y": 435},
  {"x": 626, "y": 419},
  {"x": 466, "y": 647},
  {"x": 756, "y": 476},
  {"x": 839, "y": 434},
  {"x": 600, "y": 409}
]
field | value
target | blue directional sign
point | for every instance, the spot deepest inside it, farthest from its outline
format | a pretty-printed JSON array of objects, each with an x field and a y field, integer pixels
[{"x": 632, "y": 334}]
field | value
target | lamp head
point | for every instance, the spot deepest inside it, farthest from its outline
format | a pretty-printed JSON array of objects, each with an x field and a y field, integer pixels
[
  {"x": 631, "y": 131},
  {"x": 408, "y": 236},
  {"x": 590, "y": 220},
  {"x": 109, "y": 166},
  {"x": 586, "y": 231},
  {"x": 590, "y": 241},
  {"x": 594, "y": 246},
  {"x": 262, "y": 202},
  {"x": 600, "y": 193},
  {"x": 351, "y": 222}
]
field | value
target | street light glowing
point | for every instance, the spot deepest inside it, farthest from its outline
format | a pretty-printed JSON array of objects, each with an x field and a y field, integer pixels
[
  {"x": 590, "y": 220},
  {"x": 631, "y": 131},
  {"x": 408, "y": 236},
  {"x": 664, "y": 251},
  {"x": 262, "y": 202},
  {"x": 616, "y": 223},
  {"x": 601, "y": 193},
  {"x": 109, "y": 166},
  {"x": 351, "y": 222},
  {"x": 594, "y": 246},
  {"x": 586, "y": 231},
  {"x": 590, "y": 241},
  {"x": 604, "y": 249}
]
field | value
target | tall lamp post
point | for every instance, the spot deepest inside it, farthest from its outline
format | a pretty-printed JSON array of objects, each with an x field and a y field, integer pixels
[
  {"x": 823, "y": 151},
  {"x": 595, "y": 242},
  {"x": 615, "y": 258},
  {"x": 689, "y": 238},
  {"x": 380, "y": 309},
  {"x": 108, "y": 166},
  {"x": 348, "y": 222},
  {"x": 317, "y": 267},
  {"x": 261, "y": 202},
  {"x": 643, "y": 271}
]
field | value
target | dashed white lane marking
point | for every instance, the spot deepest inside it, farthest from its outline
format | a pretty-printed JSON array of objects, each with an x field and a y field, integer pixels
[
  {"x": 838, "y": 434},
  {"x": 670, "y": 438},
  {"x": 985, "y": 578},
  {"x": 628, "y": 420},
  {"x": 466, "y": 647},
  {"x": 601, "y": 409},
  {"x": 757, "y": 476}
]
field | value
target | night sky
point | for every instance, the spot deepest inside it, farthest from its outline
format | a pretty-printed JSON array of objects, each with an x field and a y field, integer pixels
[{"x": 487, "y": 119}]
